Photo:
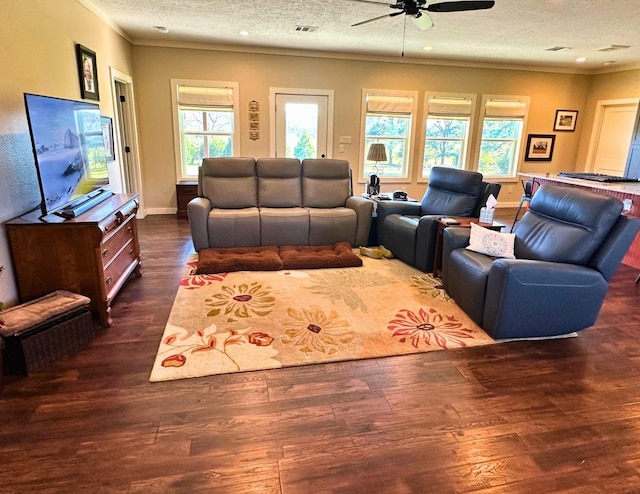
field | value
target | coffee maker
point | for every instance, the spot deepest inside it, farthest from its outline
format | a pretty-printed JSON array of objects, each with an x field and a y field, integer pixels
[{"x": 373, "y": 185}]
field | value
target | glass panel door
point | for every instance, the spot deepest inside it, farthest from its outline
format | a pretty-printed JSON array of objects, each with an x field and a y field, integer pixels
[{"x": 301, "y": 126}]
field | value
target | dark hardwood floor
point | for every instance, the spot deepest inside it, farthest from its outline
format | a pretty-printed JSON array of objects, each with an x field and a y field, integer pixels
[{"x": 526, "y": 417}]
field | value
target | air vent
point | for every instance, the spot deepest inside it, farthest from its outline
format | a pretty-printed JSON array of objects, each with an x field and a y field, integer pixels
[
  {"x": 306, "y": 29},
  {"x": 614, "y": 48},
  {"x": 559, "y": 48}
]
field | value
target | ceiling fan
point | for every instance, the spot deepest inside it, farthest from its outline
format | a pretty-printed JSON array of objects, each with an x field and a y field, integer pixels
[{"x": 417, "y": 9}]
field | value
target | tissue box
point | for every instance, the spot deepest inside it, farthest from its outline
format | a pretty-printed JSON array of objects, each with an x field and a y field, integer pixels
[{"x": 486, "y": 215}]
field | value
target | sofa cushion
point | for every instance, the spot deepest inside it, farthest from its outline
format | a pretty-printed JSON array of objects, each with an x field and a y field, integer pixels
[
  {"x": 229, "y": 182},
  {"x": 325, "y": 183},
  {"x": 284, "y": 226},
  {"x": 279, "y": 183},
  {"x": 328, "y": 226},
  {"x": 234, "y": 227},
  {"x": 565, "y": 224}
]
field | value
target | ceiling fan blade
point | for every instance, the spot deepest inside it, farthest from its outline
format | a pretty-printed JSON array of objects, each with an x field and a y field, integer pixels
[
  {"x": 373, "y": 19},
  {"x": 460, "y": 6},
  {"x": 423, "y": 21}
]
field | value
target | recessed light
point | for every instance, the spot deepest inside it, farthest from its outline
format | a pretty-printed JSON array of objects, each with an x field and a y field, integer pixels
[
  {"x": 581, "y": 59},
  {"x": 428, "y": 48},
  {"x": 161, "y": 29},
  {"x": 609, "y": 62},
  {"x": 244, "y": 32}
]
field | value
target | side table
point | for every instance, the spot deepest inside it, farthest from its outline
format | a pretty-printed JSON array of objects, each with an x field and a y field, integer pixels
[
  {"x": 464, "y": 223},
  {"x": 185, "y": 191}
]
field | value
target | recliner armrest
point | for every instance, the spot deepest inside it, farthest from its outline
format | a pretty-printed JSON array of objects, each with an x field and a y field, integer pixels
[
  {"x": 198, "y": 211},
  {"x": 404, "y": 208},
  {"x": 453, "y": 238},
  {"x": 527, "y": 297}
]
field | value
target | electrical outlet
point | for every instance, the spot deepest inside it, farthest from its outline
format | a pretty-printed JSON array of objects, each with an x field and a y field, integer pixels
[{"x": 510, "y": 189}]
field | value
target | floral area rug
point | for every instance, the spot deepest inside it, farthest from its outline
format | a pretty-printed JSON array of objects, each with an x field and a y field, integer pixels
[{"x": 251, "y": 320}]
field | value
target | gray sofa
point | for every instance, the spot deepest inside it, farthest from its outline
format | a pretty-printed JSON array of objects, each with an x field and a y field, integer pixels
[{"x": 243, "y": 202}]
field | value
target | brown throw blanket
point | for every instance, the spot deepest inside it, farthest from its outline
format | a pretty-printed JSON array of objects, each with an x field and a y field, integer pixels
[{"x": 272, "y": 258}]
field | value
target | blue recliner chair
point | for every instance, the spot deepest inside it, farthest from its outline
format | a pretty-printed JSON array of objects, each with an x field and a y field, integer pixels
[
  {"x": 409, "y": 229},
  {"x": 567, "y": 247}
]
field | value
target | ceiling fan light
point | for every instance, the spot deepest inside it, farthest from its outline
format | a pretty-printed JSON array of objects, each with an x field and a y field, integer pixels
[{"x": 422, "y": 21}]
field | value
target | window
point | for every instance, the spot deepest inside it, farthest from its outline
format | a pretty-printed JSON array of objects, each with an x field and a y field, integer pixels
[
  {"x": 447, "y": 127},
  {"x": 388, "y": 120},
  {"x": 205, "y": 116},
  {"x": 501, "y": 135}
]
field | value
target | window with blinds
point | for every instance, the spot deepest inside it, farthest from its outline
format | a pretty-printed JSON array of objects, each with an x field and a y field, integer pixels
[
  {"x": 447, "y": 124},
  {"x": 388, "y": 120},
  {"x": 503, "y": 125},
  {"x": 206, "y": 122}
]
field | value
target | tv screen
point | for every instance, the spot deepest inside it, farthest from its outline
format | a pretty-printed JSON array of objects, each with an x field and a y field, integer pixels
[{"x": 69, "y": 151}]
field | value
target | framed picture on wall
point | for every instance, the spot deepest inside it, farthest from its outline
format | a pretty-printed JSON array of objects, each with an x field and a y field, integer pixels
[
  {"x": 565, "y": 120},
  {"x": 88, "y": 72},
  {"x": 539, "y": 147}
]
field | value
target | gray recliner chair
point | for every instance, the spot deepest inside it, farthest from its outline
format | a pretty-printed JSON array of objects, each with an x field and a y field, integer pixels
[
  {"x": 409, "y": 229},
  {"x": 567, "y": 247}
]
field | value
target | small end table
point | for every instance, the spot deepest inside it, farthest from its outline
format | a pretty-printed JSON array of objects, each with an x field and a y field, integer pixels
[{"x": 465, "y": 222}]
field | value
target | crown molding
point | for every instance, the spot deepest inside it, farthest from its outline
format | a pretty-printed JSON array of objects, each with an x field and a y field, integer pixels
[{"x": 357, "y": 56}]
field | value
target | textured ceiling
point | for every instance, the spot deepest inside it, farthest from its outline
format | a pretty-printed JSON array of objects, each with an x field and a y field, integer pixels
[{"x": 515, "y": 32}]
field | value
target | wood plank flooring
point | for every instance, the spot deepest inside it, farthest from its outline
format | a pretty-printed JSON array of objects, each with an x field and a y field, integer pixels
[{"x": 543, "y": 417}]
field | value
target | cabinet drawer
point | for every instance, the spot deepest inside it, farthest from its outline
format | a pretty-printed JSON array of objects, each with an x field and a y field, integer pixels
[
  {"x": 118, "y": 217},
  {"x": 114, "y": 271},
  {"x": 113, "y": 244}
]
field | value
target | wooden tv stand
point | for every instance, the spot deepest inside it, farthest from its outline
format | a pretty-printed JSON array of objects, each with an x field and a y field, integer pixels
[{"x": 92, "y": 254}]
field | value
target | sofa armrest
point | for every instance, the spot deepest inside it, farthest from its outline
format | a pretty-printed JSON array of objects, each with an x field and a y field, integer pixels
[
  {"x": 526, "y": 298},
  {"x": 364, "y": 210},
  {"x": 198, "y": 211}
]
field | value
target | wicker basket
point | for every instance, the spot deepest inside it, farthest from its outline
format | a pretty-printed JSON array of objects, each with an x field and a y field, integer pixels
[{"x": 55, "y": 338}]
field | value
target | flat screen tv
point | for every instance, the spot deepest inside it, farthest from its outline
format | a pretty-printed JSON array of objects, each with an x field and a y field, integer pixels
[{"x": 69, "y": 153}]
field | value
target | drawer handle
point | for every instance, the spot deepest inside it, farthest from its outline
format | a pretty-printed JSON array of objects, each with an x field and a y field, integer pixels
[
  {"x": 130, "y": 229},
  {"x": 109, "y": 280},
  {"x": 119, "y": 217},
  {"x": 105, "y": 252},
  {"x": 131, "y": 252}
]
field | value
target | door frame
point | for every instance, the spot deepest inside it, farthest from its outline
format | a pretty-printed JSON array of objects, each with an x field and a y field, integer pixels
[
  {"x": 596, "y": 130},
  {"x": 132, "y": 138},
  {"x": 273, "y": 91}
]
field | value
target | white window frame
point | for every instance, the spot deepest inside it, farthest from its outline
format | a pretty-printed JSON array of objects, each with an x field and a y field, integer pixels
[
  {"x": 515, "y": 107},
  {"x": 410, "y": 139},
  {"x": 451, "y": 113},
  {"x": 177, "y": 124}
]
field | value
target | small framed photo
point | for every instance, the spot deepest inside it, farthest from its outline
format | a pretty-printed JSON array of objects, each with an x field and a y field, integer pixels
[
  {"x": 540, "y": 147},
  {"x": 254, "y": 125},
  {"x": 254, "y": 116},
  {"x": 88, "y": 72},
  {"x": 566, "y": 120},
  {"x": 107, "y": 136},
  {"x": 254, "y": 105},
  {"x": 254, "y": 135}
]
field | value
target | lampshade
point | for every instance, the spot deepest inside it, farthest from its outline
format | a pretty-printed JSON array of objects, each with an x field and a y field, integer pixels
[{"x": 377, "y": 152}]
